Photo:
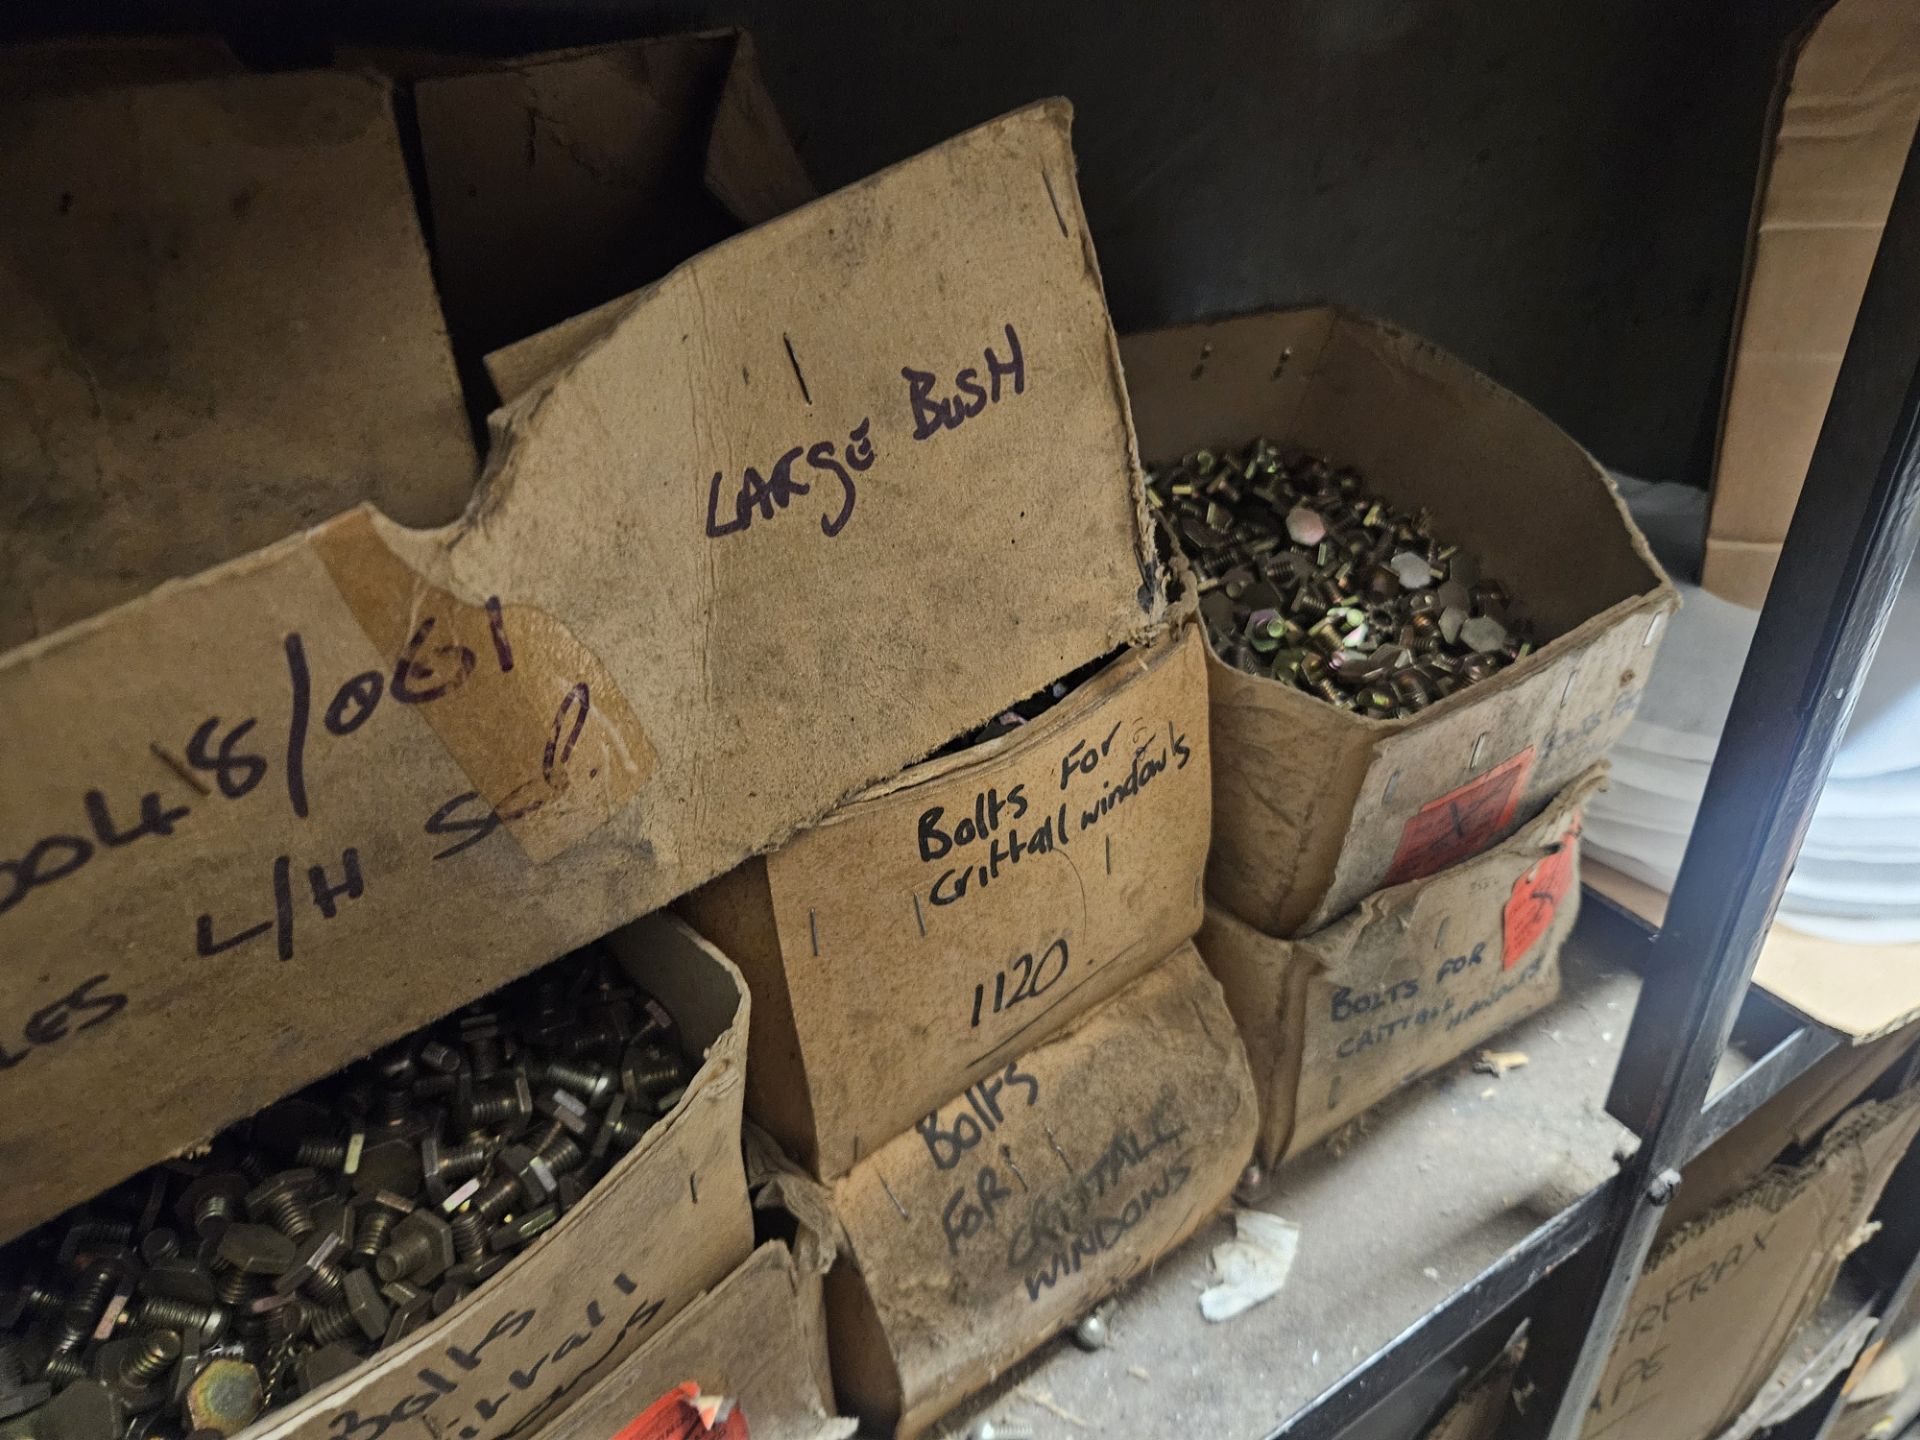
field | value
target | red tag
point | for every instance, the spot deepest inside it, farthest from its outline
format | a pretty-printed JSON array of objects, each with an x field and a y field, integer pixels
[
  {"x": 683, "y": 1413},
  {"x": 1536, "y": 898},
  {"x": 1460, "y": 823}
]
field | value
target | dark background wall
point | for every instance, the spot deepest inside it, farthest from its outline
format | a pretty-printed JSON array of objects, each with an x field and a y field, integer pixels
[{"x": 1557, "y": 190}]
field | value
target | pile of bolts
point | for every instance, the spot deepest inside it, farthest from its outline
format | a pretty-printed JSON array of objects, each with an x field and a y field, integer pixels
[
  {"x": 1308, "y": 579},
  {"x": 207, "y": 1290}
]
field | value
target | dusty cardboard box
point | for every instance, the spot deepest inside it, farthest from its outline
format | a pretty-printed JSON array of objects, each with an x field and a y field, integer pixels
[
  {"x": 222, "y": 324},
  {"x": 668, "y": 1219},
  {"x": 648, "y": 151},
  {"x": 751, "y": 1340},
  {"x": 602, "y": 687},
  {"x": 1844, "y": 119},
  {"x": 969, "y": 905},
  {"x": 1314, "y": 807},
  {"x": 1722, "y": 1295},
  {"x": 1004, "y": 1215},
  {"x": 218, "y": 324},
  {"x": 1414, "y": 977}
]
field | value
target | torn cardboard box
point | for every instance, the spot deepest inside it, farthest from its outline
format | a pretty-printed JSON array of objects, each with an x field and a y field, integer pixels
[
  {"x": 665, "y": 1223},
  {"x": 316, "y": 797},
  {"x": 747, "y": 1343},
  {"x": 1722, "y": 1295},
  {"x": 1844, "y": 121},
  {"x": 217, "y": 324},
  {"x": 558, "y": 182},
  {"x": 1413, "y": 978},
  {"x": 969, "y": 906},
  {"x": 1004, "y": 1215},
  {"x": 1313, "y": 806}
]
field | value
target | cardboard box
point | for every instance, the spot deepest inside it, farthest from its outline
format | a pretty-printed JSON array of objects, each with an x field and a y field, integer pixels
[
  {"x": 1006, "y": 1214},
  {"x": 1416, "y": 976},
  {"x": 314, "y": 798},
  {"x": 969, "y": 906},
  {"x": 220, "y": 324},
  {"x": 1722, "y": 1295},
  {"x": 751, "y": 1340},
  {"x": 1844, "y": 119},
  {"x": 645, "y": 153},
  {"x": 1314, "y": 807},
  {"x": 1483, "y": 1406},
  {"x": 669, "y": 1220}
]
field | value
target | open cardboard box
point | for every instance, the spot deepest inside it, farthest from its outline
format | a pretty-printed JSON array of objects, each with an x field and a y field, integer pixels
[
  {"x": 222, "y": 320},
  {"x": 317, "y": 796},
  {"x": 1314, "y": 807},
  {"x": 969, "y": 906},
  {"x": 668, "y": 1220},
  {"x": 1411, "y": 979}
]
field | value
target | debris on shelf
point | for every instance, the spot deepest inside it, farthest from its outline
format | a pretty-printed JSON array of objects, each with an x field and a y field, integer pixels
[
  {"x": 1497, "y": 1062},
  {"x": 1253, "y": 1266}
]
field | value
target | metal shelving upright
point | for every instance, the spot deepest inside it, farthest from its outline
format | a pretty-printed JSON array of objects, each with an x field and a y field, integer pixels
[{"x": 1852, "y": 539}]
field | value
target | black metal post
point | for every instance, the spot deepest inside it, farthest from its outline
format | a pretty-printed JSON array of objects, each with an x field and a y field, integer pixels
[{"x": 1846, "y": 554}]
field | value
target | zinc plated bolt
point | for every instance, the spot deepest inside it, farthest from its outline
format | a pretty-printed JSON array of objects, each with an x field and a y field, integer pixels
[{"x": 421, "y": 1249}]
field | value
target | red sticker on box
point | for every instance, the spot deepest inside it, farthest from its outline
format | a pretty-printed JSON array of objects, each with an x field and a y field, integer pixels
[
  {"x": 1536, "y": 899},
  {"x": 683, "y": 1413},
  {"x": 1461, "y": 822}
]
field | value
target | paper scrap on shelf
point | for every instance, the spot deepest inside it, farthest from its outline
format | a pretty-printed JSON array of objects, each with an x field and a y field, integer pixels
[{"x": 1253, "y": 1266}]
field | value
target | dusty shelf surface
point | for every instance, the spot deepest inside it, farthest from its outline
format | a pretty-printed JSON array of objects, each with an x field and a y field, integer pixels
[{"x": 1436, "y": 1185}]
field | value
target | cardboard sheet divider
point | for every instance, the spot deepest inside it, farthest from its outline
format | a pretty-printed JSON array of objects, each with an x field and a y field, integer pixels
[
  {"x": 315, "y": 797},
  {"x": 1316, "y": 807},
  {"x": 1009, "y": 1211},
  {"x": 750, "y": 1341},
  {"x": 970, "y": 905},
  {"x": 1722, "y": 1294},
  {"x": 1414, "y": 977},
  {"x": 670, "y": 1219}
]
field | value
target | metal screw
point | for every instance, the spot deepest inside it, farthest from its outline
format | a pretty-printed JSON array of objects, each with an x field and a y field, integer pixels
[
  {"x": 1661, "y": 1187},
  {"x": 1091, "y": 1333}
]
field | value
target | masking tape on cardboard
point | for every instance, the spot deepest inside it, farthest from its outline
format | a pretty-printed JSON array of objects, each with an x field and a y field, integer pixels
[{"x": 533, "y": 718}]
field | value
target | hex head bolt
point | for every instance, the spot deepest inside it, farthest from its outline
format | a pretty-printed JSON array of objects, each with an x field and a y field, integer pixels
[
  {"x": 225, "y": 1397},
  {"x": 378, "y": 1212},
  {"x": 507, "y": 1109},
  {"x": 282, "y": 1201},
  {"x": 445, "y": 1166},
  {"x": 84, "y": 1304},
  {"x": 245, "y": 1256},
  {"x": 364, "y": 1304},
  {"x": 212, "y": 1202},
  {"x": 207, "y": 1322},
  {"x": 134, "y": 1367},
  {"x": 592, "y": 1083},
  {"x": 421, "y": 1249},
  {"x": 17, "y": 1393}
]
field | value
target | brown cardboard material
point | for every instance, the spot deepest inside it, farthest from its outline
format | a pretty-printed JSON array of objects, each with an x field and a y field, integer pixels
[
  {"x": 1315, "y": 807},
  {"x": 1863, "y": 991},
  {"x": 668, "y": 1221},
  {"x": 1416, "y": 976},
  {"x": 969, "y": 905},
  {"x": 1844, "y": 124},
  {"x": 750, "y": 1339},
  {"x": 217, "y": 324},
  {"x": 1721, "y": 1297},
  {"x": 1477, "y": 1413},
  {"x": 559, "y": 182},
  {"x": 1006, "y": 1214},
  {"x": 343, "y": 784}
]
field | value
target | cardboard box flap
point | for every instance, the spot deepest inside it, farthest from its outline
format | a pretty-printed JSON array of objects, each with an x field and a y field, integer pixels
[
  {"x": 749, "y": 1339},
  {"x": 218, "y": 323},
  {"x": 647, "y": 153},
  {"x": 1721, "y": 1297},
  {"x": 470, "y": 1366},
  {"x": 1862, "y": 991},
  {"x": 353, "y": 780},
  {"x": 1843, "y": 120}
]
